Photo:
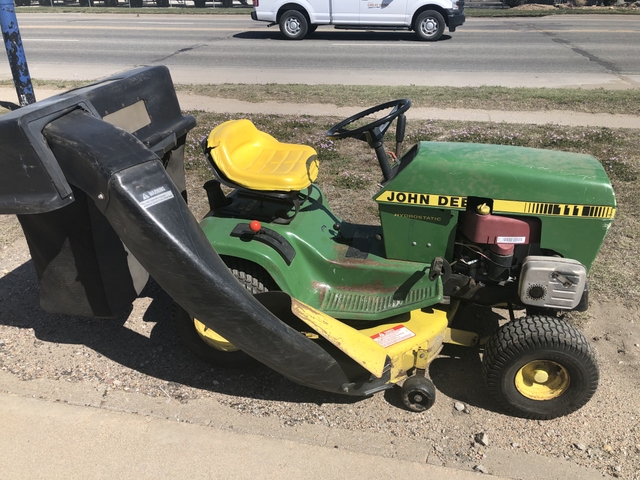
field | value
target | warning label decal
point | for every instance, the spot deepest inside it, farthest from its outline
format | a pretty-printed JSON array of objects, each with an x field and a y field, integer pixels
[
  {"x": 156, "y": 196},
  {"x": 392, "y": 336}
]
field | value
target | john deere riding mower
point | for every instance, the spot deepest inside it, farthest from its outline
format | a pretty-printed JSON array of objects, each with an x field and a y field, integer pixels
[
  {"x": 272, "y": 274},
  {"x": 490, "y": 225}
]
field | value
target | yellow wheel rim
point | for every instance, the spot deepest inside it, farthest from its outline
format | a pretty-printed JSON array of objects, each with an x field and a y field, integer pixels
[
  {"x": 542, "y": 380},
  {"x": 212, "y": 339}
]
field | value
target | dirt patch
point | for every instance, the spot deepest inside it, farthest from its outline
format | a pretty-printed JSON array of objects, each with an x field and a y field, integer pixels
[{"x": 10, "y": 228}]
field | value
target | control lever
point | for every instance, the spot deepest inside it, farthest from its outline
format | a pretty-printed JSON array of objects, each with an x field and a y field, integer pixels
[{"x": 439, "y": 268}]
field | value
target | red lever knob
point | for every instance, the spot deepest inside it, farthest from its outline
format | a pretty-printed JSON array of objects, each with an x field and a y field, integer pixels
[{"x": 255, "y": 226}]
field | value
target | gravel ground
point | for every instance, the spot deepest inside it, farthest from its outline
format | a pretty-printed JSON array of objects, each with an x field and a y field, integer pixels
[{"x": 139, "y": 352}]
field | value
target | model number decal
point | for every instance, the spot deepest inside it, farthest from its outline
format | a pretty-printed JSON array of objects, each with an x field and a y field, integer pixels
[
  {"x": 511, "y": 240},
  {"x": 554, "y": 209}
]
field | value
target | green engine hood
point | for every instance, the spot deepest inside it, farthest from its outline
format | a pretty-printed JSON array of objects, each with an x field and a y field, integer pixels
[
  {"x": 570, "y": 193},
  {"x": 499, "y": 172}
]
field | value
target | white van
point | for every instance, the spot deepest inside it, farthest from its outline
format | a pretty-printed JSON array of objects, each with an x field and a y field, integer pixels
[{"x": 298, "y": 18}]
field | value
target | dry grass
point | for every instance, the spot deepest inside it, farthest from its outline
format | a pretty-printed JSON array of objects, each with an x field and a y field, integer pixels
[{"x": 615, "y": 272}]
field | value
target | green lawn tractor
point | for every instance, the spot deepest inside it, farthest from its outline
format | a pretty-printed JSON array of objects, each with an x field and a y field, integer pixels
[
  {"x": 490, "y": 225},
  {"x": 96, "y": 178}
]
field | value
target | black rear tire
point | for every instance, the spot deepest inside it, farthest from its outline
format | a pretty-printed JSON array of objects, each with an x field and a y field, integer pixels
[
  {"x": 199, "y": 3},
  {"x": 540, "y": 367}
]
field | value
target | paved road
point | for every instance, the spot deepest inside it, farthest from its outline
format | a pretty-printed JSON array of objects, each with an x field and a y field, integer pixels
[{"x": 588, "y": 50}]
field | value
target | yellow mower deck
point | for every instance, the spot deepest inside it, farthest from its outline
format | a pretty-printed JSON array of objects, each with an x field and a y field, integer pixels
[{"x": 400, "y": 344}]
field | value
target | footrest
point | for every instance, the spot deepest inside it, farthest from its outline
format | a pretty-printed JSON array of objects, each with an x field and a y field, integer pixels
[{"x": 413, "y": 294}]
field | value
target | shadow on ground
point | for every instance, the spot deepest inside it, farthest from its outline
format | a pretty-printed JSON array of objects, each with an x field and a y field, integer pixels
[
  {"x": 160, "y": 355},
  {"x": 341, "y": 35}
]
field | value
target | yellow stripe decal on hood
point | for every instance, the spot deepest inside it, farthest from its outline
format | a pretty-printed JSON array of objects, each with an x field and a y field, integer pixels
[
  {"x": 554, "y": 209},
  {"x": 499, "y": 206}
]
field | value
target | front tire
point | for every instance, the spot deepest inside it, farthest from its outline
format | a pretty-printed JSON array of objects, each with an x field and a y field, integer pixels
[
  {"x": 429, "y": 25},
  {"x": 540, "y": 367},
  {"x": 293, "y": 25}
]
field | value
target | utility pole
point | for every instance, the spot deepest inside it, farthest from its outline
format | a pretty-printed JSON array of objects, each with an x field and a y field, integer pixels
[{"x": 15, "y": 52}]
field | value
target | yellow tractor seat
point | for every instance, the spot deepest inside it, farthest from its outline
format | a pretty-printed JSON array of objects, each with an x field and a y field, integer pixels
[{"x": 253, "y": 159}]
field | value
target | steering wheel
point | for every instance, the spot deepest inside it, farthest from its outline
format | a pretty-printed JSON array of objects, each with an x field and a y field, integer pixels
[
  {"x": 340, "y": 129},
  {"x": 373, "y": 133}
]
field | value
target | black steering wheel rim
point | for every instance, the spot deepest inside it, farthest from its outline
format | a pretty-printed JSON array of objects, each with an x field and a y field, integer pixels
[{"x": 339, "y": 131}]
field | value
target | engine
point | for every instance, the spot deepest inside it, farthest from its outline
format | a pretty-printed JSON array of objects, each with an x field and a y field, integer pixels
[
  {"x": 502, "y": 253},
  {"x": 516, "y": 225}
]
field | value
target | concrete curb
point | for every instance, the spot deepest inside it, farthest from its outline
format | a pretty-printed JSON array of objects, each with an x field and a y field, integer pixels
[
  {"x": 85, "y": 433},
  {"x": 58, "y": 429}
]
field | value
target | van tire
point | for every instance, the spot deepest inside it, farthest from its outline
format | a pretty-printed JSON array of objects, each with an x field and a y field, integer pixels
[
  {"x": 429, "y": 25},
  {"x": 293, "y": 25}
]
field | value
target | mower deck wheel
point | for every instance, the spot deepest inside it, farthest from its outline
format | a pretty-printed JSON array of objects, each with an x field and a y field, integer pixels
[
  {"x": 540, "y": 367},
  {"x": 418, "y": 393}
]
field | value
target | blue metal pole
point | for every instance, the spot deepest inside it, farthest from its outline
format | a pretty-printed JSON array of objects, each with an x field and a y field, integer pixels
[{"x": 15, "y": 52}]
